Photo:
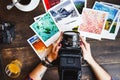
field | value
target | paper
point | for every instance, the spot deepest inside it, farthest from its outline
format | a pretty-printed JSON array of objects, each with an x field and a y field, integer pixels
[
  {"x": 50, "y": 3},
  {"x": 39, "y": 47},
  {"x": 113, "y": 12},
  {"x": 38, "y": 17},
  {"x": 93, "y": 23},
  {"x": 46, "y": 29},
  {"x": 66, "y": 16},
  {"x": 80, "y": 4}
]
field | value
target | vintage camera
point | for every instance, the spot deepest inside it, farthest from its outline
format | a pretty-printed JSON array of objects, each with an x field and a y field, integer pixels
[
  {"x": 70, "y": 57},
  {"x": 7, "y": 32}
]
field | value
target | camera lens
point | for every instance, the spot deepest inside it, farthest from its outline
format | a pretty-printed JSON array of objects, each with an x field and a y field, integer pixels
[{"x": 70, "y": 39}]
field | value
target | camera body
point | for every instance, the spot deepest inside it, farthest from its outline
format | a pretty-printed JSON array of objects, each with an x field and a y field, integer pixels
[
  {"x": 70, "y": 57},
  {"x": 7, "y": 32}
]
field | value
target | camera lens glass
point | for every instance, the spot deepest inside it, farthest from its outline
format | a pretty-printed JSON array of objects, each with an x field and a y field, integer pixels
[{"x": 70, "y": 39}]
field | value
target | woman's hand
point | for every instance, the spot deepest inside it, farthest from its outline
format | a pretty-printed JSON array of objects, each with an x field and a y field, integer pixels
[
  {"x": 54, "y": 52},
  {"x": 85, "y": 46}
]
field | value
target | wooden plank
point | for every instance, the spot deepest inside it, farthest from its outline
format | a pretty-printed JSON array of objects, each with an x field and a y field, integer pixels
[
  {"x": 25, "y": 54},
  {"x": 22, "y": 23},
  {"x": 1, "y": 73},
  {"x": 87, "y": 73},
  {"x": 106, "y": 51}
]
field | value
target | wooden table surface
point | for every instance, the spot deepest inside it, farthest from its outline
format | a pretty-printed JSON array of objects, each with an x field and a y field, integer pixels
[{"x": 106, "y": 52}]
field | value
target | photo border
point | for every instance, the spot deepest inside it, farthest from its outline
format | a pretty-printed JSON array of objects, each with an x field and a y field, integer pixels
[
  {"x": 41, "y": 56},
  {"x": 93, "y": 35},
  {"x": 53, "y": 38},
  {"x": 67, "y": 26}
]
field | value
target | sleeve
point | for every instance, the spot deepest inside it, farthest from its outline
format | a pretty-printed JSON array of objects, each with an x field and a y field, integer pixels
[
  {"x": 112, "y": 78},
  {"x": 28, "y": 78}
]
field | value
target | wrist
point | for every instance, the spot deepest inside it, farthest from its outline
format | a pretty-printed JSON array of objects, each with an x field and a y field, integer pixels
[
  {"x": 90, "y": 60},
  {"x": 45, "y": 62},
  {"x": 50, "y": 59}
]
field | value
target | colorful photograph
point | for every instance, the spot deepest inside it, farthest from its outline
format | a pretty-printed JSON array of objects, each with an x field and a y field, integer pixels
[
  {"x": 80, "y": 4},
  {"x": 111, "y": 34},
  {"x": 46, "y": 29},
  {"x": 110, "y": 4},
  {"x": 116, "y": 26},
  {"x": 93, "y": 23},
  {"x": 38, "y": 17},
  {"x": 50, "y": 3},
  {"x": 38, "y": 46},
  {"x": 113, "y": 28},
  {"x": 113, "y": 12},
  {"x": 66, "y": 15}
]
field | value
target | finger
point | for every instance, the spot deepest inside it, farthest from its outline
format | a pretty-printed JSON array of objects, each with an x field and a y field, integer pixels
[
  {"x": 59, "y": 46},
  {"x": 53, "y": 48},
  {"x": 83, "y": 48},
  {"x": 85, "y": 43},
  {"x": 60, "y": 38},
  {"x": 83, "y": 40}
]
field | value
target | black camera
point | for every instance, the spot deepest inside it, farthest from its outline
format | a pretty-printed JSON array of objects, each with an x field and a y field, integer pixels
[
  {"x": 70, "y": 57},
  {"x": 7, "y": 32}
]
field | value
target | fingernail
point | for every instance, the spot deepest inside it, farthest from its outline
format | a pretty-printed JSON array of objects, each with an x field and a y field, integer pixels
[{"x": 81, "y": 43}]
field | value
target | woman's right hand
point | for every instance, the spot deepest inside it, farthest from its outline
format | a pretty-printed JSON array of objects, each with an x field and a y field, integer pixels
[{"x": 85, "y": 46}]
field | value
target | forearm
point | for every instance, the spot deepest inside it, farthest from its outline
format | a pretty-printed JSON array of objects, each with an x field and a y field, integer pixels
[
  {"x": 100, "y": 73},
  {"x": 38, "y": 72}
]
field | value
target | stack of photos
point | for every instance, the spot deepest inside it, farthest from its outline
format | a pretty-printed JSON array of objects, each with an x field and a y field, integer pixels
[
  {"x": 102, "y": 21},
  {"x": 111, "y": 20},
  {"x": 116, "y": 25},
  {"x": 95, "y": 24},
  {"x": 66, "y": 16},
  {"x": 38, "y": 46},
  {"x": 61, "y": 15}
]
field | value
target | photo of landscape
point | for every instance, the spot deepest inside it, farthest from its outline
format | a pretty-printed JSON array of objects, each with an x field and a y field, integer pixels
[
  {"x": 112, "y": 13},
  {"x": 79, "y": 4}
]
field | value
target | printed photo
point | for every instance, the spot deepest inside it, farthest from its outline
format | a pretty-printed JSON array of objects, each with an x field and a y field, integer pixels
[
  {"x": 66, "y": 15},
  {"x": 39, "y": 47},
  {"x": 50, "y": 3},
  {"x": 115, "y": 27},
  {"x": 79, "y": 4},
  {"x": 113, "y": 12},
  {"x": 46, "y": 29},
  {"x": 113, "y": 30},
  {"x": 110, "y": 4},
  {"x": 93, "y": 23},
  {"x": 38, "y": 17}
]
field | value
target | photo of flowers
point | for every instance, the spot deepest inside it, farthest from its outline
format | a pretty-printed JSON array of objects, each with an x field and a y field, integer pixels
[
  {"x": 93, "y": 23},
  {"x": 46, "y": 29}
]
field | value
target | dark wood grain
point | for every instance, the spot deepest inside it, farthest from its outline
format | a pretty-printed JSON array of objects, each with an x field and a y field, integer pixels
[
  {"x": 25, "y": 55},
  {"x": 106, "y": 52},
  {"x": 87, "y": 74}
]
